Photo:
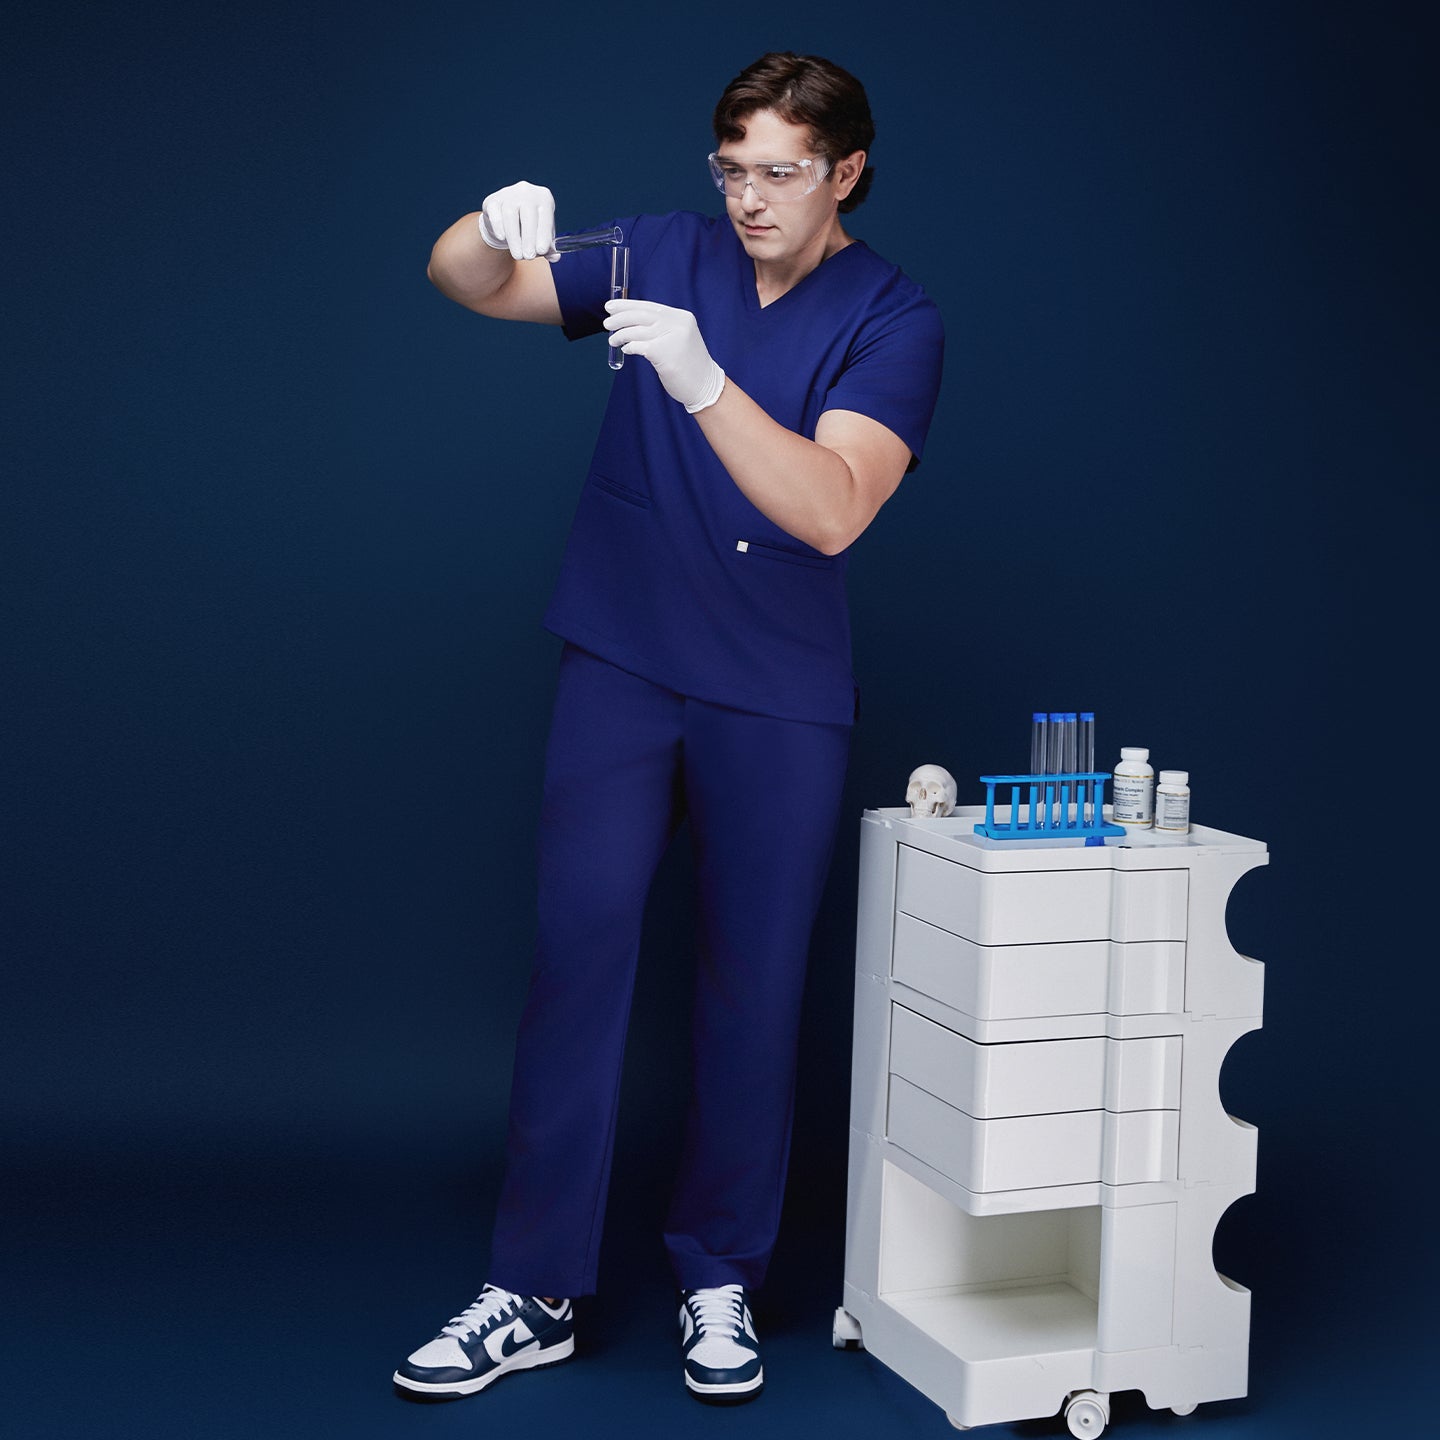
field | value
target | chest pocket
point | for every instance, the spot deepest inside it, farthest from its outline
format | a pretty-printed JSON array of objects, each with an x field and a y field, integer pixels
[{"x": 619, "y": 491}]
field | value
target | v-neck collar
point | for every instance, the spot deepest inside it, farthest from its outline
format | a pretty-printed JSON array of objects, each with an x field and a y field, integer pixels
[{"x": 750, "y": 290}]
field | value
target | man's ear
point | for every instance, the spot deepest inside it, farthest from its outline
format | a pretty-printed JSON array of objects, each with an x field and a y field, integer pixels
[{"x": 847, "y": 171}]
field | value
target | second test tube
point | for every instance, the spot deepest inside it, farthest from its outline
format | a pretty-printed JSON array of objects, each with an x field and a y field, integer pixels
[{"x": 619, "y": 290}]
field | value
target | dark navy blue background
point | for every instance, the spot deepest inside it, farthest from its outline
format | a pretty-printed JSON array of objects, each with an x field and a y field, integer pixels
[{"x": 279, "y": 525}]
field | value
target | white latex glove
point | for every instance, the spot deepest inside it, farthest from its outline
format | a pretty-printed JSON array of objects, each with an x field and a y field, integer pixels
[
  {"x": 520, "y": 218},
  {"x": 670, "y": 340}
]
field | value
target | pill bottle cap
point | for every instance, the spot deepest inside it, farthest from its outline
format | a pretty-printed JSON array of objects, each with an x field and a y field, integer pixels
[
  {"x": 1037, "y": 714},
  {"x": 1174, "y": 777},
  {"x": 1133, "y": 752}
]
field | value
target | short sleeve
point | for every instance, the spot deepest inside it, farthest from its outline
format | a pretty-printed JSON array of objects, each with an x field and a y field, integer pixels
[
  {"x": 582, "y": 281},
  {"x": 892, "y": 374}
]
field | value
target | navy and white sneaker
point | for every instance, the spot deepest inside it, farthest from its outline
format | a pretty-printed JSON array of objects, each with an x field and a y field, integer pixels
[
  {"x": 499, "y": 1333},
  {"x": 722, "y": 1354}
]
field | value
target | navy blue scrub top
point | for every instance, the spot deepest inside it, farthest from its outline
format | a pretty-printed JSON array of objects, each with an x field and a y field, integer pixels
[{"x": 669, "y": 571}]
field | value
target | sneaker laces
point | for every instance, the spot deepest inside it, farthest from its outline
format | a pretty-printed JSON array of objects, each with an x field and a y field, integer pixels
[
  {"x": 488, "y": 1304},
  {"x": 719, "y": 1310}
]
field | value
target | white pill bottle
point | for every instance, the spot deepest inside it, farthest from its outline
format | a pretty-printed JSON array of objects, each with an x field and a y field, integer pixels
[
  {"x": 1134, "y": 789},
  {"x": 1172, "y": 802}
]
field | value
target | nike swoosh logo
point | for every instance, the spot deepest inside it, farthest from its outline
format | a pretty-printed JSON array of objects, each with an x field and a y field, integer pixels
[{"x": 509, "y": 1344}]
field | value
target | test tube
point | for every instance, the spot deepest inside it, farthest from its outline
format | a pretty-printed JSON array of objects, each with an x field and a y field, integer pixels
[
  {"x": 1037, "y": 767},
  {"x": 1062, "y": 758},
  {"x": 1054, "y": 759},
  {"x": 1085, "y": 759},
  {"x": 619, "y": 290},
  {"x": 1055, "y": 747},
  {"x": 587, "y": 239}
]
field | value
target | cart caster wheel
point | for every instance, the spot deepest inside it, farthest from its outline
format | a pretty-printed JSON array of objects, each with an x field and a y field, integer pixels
[
  {"x": 956, "y": 1424},
  {"x": 1183, "y": 1409},
  {"x": 1086, "y": 1413},
  {"x": 845, "y": 1334}
]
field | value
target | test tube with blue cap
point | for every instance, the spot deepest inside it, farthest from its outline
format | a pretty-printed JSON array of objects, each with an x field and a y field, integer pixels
[
  {"x": 1085, "y": 759},
  {"x": 1055, "y": 761},
  {"x": 614, "y": 237},
  {"x": 1037, "y": 767},
  {"x": 1069, "y": 792}
]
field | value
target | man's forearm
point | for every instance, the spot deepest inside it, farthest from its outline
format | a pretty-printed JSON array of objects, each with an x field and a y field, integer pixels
[
  {"x": 806, "y": 489},
  {"x": 823, "y": 491}
]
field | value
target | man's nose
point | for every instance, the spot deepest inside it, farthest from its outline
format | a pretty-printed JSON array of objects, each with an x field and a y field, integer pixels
[{"x": 750, "y": 198}]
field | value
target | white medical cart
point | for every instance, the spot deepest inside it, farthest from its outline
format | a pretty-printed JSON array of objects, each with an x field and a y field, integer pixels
[{"x": 1038, "y": 1152}]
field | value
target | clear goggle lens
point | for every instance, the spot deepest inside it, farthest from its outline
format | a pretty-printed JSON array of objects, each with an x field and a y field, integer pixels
[{"x": 770, "y": 179}]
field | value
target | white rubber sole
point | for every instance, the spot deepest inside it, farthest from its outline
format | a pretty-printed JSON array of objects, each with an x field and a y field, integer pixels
[
  {"x": 721, "y": 1392},
  {"x": 525, "y": 1360}
]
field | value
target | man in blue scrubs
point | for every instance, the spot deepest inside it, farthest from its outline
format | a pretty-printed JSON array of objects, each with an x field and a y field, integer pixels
[{"x": 780, "y": 384}]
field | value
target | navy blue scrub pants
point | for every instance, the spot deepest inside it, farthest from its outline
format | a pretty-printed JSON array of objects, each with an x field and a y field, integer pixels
[{"x": 626, "y": 762}]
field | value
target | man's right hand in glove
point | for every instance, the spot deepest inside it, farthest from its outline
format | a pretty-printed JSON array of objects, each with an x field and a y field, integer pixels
[{"x": 479, "y": 261}]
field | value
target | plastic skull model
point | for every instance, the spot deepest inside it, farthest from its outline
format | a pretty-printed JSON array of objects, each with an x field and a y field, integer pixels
[{"x": 931, "y": 791}]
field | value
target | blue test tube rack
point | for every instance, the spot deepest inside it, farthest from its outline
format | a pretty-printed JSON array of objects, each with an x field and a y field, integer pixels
[{"x": 1055, "y": 808}]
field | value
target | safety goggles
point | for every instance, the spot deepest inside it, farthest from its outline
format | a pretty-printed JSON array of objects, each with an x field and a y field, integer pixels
[{"x": 771, "y": 180}]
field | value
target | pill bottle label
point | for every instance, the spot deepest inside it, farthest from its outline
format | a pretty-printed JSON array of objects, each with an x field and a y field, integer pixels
[
  {"x": 1133, "y": 794},
  {"x": 1172, "y": 812}
]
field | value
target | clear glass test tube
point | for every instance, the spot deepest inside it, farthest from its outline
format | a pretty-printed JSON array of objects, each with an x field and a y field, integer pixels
[
  {"x": 1054, "y": 760},
  {"x": 1062, "y": 759},
  {"x": 619, "y": 290},
  {"x": 1085, "y": 759},
  {"x": 588, "y": 239},
  {"x": 1037, "y": 767},
  {"x": 1055, "y": 746}
]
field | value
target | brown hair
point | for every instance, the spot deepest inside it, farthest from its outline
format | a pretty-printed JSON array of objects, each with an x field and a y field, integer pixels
[{"x": 804, "y": 90}]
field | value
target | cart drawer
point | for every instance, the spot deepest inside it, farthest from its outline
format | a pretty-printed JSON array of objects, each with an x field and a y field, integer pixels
[
  {"x": 1037, "y": 1077},
  {"x": 1032, "y": 907},
  {"x": 1029, "y": 1151},
  {"x": 1021, "y": 982}
]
